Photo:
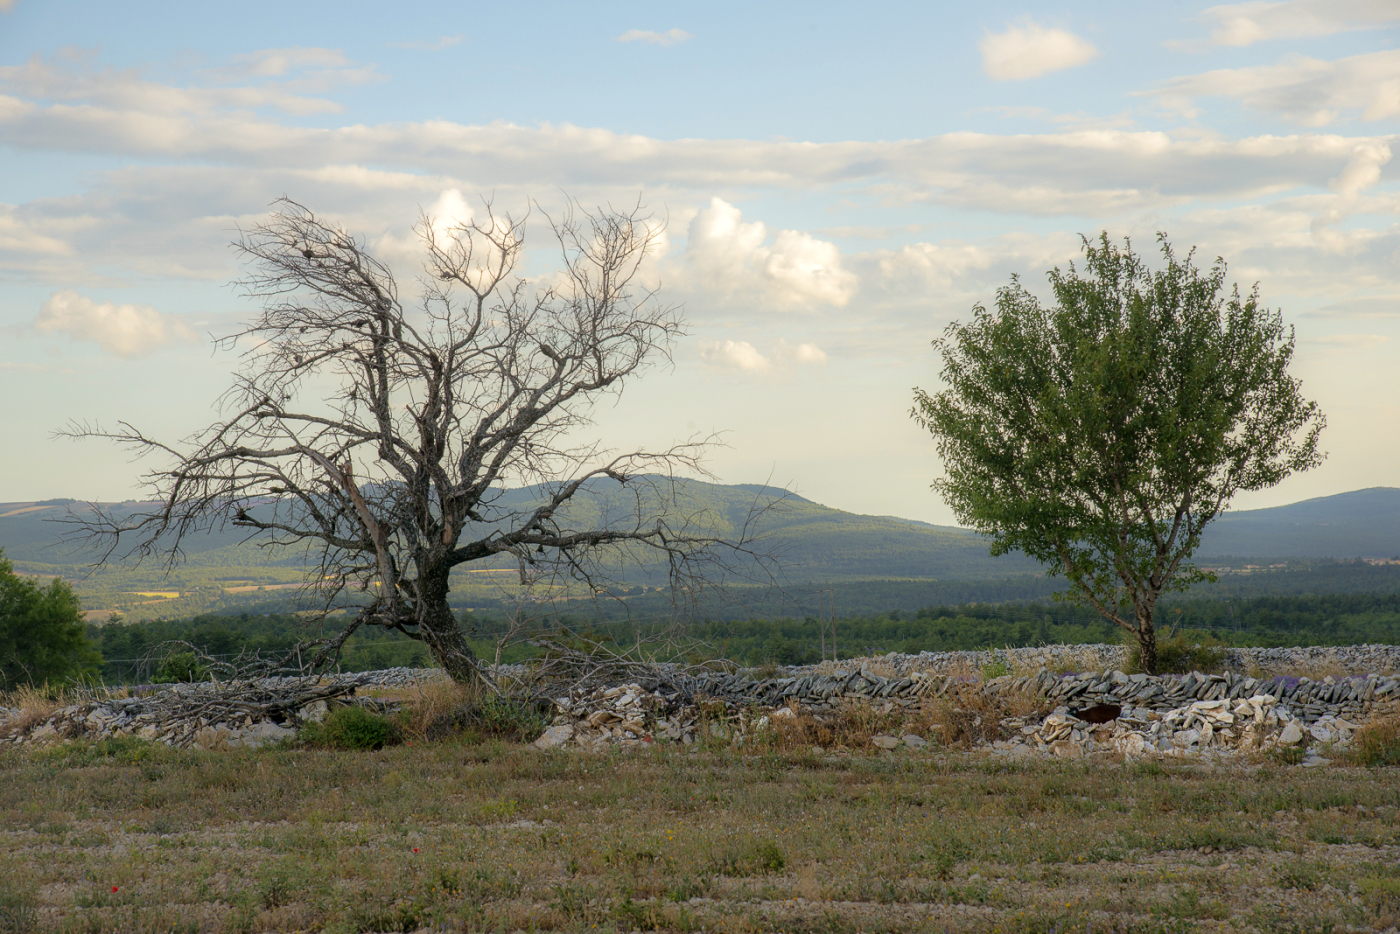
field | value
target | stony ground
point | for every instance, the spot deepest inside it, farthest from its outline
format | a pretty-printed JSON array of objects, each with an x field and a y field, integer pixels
[{"x": 130, "y": 837}]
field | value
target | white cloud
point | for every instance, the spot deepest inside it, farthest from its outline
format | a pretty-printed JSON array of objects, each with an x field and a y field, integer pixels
[
  {"x": 123, "y": 330},
  {"x": 6, "y": 5},
  {"x": 1238, "y": 24},
  {"x": 802, "y": 354},
  {"x": 111, "y": 96},
  {"x": 744, "y": 357},
  {"x": 1362, "y": 172},
  {"x": 1086, "y": 172},
  {"x": 1030, "y": 50},
  {"x": 1306, "y": 90},
  {"x": 730, "y": 257},
  {"x": 932, "y": 265},
  {"x": 734, "y": 355},
  {"x": 667, "y": 38},
  {"x": 435, "y": 45}
]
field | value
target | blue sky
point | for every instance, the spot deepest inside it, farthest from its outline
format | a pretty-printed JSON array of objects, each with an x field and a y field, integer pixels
[{"x": 839, "y": 182}]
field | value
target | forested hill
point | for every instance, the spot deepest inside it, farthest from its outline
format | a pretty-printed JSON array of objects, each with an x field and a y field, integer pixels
[
  {"x": 1359, "y": 524},
  {"x": 816, "y": 542}
]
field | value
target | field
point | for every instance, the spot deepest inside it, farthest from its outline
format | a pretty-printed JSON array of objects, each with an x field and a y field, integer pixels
[{"x": 493, "y": 836}]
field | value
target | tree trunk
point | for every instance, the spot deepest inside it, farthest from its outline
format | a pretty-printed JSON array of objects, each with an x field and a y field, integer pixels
[
  {"x": 438, "y": 629},
  {"x": 1147, "y": 646}
]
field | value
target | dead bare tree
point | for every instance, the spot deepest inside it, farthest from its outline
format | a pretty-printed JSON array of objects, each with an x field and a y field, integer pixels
[{"x": 384, "y": 442}]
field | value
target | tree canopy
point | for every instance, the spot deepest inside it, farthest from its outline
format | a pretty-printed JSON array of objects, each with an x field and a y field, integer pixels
[
  {"x": 42, "y": 636},
  {"x": 1101, "y": 434}
]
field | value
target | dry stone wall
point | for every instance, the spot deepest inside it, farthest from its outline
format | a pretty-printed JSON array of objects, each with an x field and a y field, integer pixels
[
  {"x": 1348, "y": 697},
  {"x": 1341, "y": 659}
]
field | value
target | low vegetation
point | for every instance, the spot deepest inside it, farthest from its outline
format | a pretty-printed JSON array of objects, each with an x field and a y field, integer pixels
[
  {"x": 489, "y": 835},
  {"x": 1201, "y": 627}
]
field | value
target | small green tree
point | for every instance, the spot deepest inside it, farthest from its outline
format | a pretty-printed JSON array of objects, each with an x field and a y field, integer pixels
[
  {"x": 42, "y": 637},
  {"x": 1101, "y": 435}
]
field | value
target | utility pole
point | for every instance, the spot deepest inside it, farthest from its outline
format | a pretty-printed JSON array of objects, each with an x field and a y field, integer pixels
[{"x": 826, "y": 616}]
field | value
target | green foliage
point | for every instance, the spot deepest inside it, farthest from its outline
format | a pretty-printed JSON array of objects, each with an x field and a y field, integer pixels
[
  {"x": 495, "y": 718},
  {"x": 1180, "y": 651},
  {"x": 180, "y": 667},
  {"x": 42, "y": 638},
  {"x": 1101, "y": 435},
  {"x": 352, "y": 728}
]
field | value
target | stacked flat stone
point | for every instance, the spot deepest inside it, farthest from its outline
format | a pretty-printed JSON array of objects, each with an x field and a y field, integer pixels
[
  {"x": 1351, "y": 659},
  {"x": 1350, "y": 698}
]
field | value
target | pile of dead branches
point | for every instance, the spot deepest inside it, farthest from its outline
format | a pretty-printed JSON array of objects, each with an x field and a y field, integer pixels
[{"x": 564, "y": 669}]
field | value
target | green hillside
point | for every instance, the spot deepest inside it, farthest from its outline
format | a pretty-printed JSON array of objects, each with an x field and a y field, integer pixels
[
  {"x": 1359, "y": 524},
  {"x": 878, "y": 563}
]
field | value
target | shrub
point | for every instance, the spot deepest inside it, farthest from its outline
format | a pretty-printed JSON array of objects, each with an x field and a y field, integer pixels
[
  {"x": 1377, "y": 743},
  {"x": 1180, "y": 651},
  {"x": 351, "y": 728},
  {"x": 508, "y": 718},
  {"x": 180, "y": 668}
]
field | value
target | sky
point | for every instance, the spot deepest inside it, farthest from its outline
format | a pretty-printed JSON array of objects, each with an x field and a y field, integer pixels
[{"x": 838, "y": 183}]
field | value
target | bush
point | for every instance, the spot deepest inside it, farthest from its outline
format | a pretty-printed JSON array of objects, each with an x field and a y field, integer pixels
[
  {"x": 351, "y": 728},
  {"x": 1180, "y": 651},
  {"x": 180, "y": 668},
  {"x": 505, "y": 718},
  {"x": 1377, "y": 743}
]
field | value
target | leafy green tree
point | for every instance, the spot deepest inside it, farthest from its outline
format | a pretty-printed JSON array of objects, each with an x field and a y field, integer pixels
[
  {"x": 1101, "y": 435},
  {"x": 42, "y": 637}
]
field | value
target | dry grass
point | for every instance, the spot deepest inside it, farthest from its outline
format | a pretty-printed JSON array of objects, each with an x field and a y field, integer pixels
[
  {"x": 966, "y": 716},
  {"x": 1376, "y": 743},
  {"x": 844, "y": 729},
  {"x": 501, "y": 837},
  {"x": 431, "y": 702},
  {"x": 35, "y": 705}
]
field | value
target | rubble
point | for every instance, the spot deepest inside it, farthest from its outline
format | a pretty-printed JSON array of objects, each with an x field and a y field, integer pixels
[{"x": 209, "y": 714}]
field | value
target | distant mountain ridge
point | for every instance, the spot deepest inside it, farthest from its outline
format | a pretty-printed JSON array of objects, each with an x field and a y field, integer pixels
[
  {"x": 1359, "y": 524},
  {"x": 819, "y": 542}
]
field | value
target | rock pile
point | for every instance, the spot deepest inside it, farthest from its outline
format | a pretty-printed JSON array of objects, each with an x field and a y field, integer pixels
[
  {"x": 623, "y": 714},
  {"x": 1257, "y": 723},
  {"x": 206, "y": 714}
]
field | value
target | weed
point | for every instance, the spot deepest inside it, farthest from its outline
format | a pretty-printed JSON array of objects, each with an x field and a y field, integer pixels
[
  {"x": 17, "y": 909},
  {"x": 1306, "y": 876},
  {"x": 1376, "y": 743},
  {"x": 1272, "y": 919},
  {"x": 504, "y": 718},
  {"x": 351, "y": 728},
  {"x": 996, "y": 669},
  {"x": 372, "y": 914},
  {"x": 1382, "y": 896},
  {"x": 122, "y": 749},
  {"x": 578, "y": 904},
  {"x": 755, "y": 859},
  {"x": 30, "y": 705}
]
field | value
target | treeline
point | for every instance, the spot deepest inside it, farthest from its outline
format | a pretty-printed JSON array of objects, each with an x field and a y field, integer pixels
[
  {"x": 1333, "y": 619},
  {"x": 131, "y": 652}
]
